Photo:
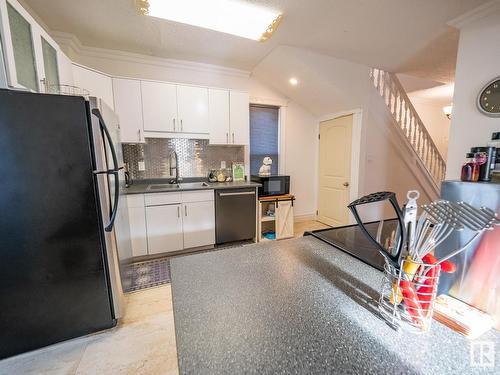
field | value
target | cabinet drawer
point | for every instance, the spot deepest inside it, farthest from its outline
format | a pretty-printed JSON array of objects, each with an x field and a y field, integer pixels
[
  {"x": 197, "y": 196},
  {"x": 135, "y": 200},
  {"x": 156, "y": 199}
]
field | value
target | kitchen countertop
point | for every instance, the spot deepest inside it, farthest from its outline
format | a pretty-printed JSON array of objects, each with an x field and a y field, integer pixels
[
  {"x": 298, "y": 306},
  {"x": 141, "y": 188}
]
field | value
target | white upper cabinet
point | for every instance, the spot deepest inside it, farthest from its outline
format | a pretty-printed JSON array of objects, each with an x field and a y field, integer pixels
[
  {"x": 33, "y": 59},
  {"x": 218, "y": 106},
  {"x": 192, "y": 106},
  {"x": 128, "y": 106},
  {"x": 96, "y": 83},
  {"x": 229, "y": 117},
  {"x": 239, "y": 118},
  {"x": 159, "y": 106}
]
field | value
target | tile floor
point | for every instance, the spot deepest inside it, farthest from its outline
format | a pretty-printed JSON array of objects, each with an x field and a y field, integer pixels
[{"x": 143, "y": 342}]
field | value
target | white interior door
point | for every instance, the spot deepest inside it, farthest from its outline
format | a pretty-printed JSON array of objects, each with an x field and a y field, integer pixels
[
  {"x": 192, "y": 105},
  {"x": 334, "y": 170},
  {"x": 164, "y": 227},
  {"x": 159, "y": 106},
  {"x": 199, "y": 224}
]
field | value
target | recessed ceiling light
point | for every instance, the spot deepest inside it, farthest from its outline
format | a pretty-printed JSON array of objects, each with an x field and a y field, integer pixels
[
  {"x": 293, "y": 81},
  {"x": 234, "y": 17}
]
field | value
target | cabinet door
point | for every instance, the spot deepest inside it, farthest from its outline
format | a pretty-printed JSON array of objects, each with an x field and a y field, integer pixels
[
  {"x": 164, "y": 227},
  {"x": 218, "y": 108},
  {"x": 138, "y": 236},
  {"x": 284, "y": 220},
  {"x": 192, "y": 104},
  {"x": 159, "y": 105},
  {"x": 127, "y": 98},
  {"x": 199, "y": 224},
  {"x": 239, "y": 118},
  {"x": 96, "y": 83}
]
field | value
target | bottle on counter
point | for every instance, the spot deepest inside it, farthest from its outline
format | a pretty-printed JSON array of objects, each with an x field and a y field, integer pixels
[
  {"x": 485, "y": 156},
  {"x": 468, "y": 168}
]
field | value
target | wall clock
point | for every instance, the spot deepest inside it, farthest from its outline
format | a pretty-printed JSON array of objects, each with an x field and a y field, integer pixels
[{"x": 488, "y": 100}]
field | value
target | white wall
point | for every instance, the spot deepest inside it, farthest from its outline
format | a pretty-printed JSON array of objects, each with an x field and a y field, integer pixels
[
  {"x": 478, "y": 62},
  {"x": 435, "y": 121}
]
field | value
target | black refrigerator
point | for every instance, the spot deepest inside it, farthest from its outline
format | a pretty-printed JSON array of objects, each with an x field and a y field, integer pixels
[{"x": 58, "y": 272}]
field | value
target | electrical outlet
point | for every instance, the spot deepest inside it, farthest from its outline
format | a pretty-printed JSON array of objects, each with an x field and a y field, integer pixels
[
  {"x": 223, "y": 165},
  {"x": 141, "y": 165}
]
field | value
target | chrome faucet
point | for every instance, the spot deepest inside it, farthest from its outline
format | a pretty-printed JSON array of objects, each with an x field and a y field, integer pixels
[{"x": 176, "y": 167}]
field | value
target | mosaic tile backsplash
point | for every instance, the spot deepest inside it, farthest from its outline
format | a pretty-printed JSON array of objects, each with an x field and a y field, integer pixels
[{"x": 196, "y": 157}]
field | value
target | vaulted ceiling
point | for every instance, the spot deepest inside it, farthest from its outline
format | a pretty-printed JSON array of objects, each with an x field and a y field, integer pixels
[{"x": 405, "y": 36}]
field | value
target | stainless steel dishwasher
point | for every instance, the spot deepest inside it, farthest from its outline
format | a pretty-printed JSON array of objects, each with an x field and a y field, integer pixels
[{"x": 235, "y": 215}]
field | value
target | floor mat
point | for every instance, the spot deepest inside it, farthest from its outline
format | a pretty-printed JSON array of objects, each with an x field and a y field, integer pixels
[{"x": 147, "y": 274}]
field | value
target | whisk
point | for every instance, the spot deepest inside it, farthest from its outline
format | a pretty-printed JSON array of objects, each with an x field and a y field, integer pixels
[{"x": 441, "y": 218}]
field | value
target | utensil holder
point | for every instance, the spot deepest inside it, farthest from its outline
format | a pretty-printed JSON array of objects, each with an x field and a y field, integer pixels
[{"x": 408, "y": 294}]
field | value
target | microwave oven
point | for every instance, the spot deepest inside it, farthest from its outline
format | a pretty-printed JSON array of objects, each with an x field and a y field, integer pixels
[{"x": 272, "y": 185}]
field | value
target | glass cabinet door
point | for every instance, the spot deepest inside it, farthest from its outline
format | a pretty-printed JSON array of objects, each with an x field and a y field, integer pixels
[
  {"x": 22, "y": 44},
  {"x": 51, "y": 67}
]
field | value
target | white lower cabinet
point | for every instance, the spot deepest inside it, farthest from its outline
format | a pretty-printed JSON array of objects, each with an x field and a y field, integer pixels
[
  {"x": 138, "y": 235},
  {"x": 137, "y": 221},
  {"x": 199, "y": 224},
  {"x": 167, "y": 222},
  {"x": 164, "y": 228}
]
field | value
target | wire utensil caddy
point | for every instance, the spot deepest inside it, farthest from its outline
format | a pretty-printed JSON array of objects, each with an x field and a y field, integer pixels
[
  {"x": 411, "y": 272},
  {"x": 406, "y": 299}
]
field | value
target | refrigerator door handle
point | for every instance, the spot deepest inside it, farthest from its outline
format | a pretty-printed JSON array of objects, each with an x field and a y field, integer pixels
[
  {"x": 114, "y": 171},
  {"x": 103, "y": 127},
  {"x": 112, "y": 216}
]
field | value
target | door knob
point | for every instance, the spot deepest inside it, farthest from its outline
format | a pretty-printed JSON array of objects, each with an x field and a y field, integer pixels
[{"x": 346, "y": 184}]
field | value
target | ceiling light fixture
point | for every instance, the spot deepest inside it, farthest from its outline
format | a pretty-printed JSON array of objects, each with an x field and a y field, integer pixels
[
  {"x": 293, "y": 81},
  {"x": 228, "y": 16},
  {"x": 447, "y": 111}
]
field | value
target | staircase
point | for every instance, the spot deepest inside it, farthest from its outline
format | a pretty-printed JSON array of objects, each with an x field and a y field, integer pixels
[{"x": 410, "y": 125}]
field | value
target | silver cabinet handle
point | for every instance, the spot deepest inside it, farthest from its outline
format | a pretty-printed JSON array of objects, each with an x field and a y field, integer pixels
[
  {"x": 179, "y": 211},
  {"x": 139, "y": 133},
  {"x": 242, "y": 193},
  {"x": 174, "y": 124},
  {"x": 227, "y": 137},
  {"x": 233, "y": 137},
  {"x": 182, "y": 126},
  {"x": 185, "y": 210}
]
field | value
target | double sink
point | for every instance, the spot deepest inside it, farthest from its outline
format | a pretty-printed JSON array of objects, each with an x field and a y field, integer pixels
[{"x": 187, "y": 185}]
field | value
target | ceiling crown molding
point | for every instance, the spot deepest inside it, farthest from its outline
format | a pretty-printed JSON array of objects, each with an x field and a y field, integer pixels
[
  {"x": 72, "y": 43},
  {"x": 475, "y": 14}
]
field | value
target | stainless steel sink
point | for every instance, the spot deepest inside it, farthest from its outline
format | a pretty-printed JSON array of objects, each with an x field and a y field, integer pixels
[
  {"x": 163, "y": 186},
  {"x": 194, "y": 185}
]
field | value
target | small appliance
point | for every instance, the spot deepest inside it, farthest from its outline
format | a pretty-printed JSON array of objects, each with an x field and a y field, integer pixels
[{"x": 272, "y": 185}]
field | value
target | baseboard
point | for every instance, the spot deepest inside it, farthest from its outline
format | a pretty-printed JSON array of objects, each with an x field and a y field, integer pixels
[{"x": 305, "y": 217}]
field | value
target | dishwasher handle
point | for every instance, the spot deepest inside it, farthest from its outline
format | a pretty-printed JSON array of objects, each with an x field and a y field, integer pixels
[{"x": 233, "y": 194}]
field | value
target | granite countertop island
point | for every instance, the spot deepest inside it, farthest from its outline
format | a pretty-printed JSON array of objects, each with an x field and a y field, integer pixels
[{"x": 298, "y": 306}]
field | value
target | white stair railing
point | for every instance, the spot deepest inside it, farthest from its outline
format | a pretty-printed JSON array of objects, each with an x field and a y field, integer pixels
[{"x": 412, "y": 127}]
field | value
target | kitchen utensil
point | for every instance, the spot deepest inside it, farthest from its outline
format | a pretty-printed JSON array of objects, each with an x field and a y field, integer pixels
[
  {"x": 410, "y": 217},
  {"x": 394, "y": 257},
  {"x": 418, "y": 296}
]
